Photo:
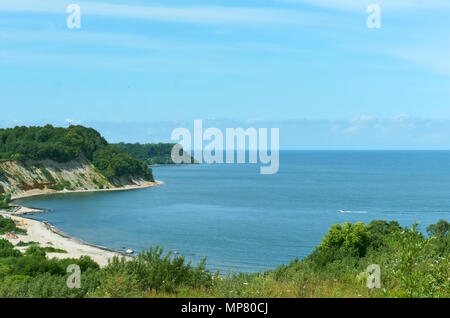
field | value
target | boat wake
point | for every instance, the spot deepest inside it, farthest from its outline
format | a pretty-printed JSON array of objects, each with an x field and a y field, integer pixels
[{"x": 354, "y": 212}]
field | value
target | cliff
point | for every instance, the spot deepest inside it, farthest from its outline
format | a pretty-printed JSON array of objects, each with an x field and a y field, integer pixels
[
  {"x": 18, "y": 178},
  {"x": 48, "y": 159}
]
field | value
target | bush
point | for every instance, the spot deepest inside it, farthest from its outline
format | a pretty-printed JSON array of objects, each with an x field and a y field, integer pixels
[
  {"x": 153, "y": 271},
  {"x": 35, "y": 250},
  {"x": 8, "y": 225},
  {"x": 27, "y": 243},
  {"x": 351, "y": 238},
  {"x": 380, "y": 230},
  {"x": 5, "y": 199}
]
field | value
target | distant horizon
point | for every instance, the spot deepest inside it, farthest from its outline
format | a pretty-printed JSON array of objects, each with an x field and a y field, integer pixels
[
  {"x": 352, "y": 134},
  {"x": 317, "y": 70}
]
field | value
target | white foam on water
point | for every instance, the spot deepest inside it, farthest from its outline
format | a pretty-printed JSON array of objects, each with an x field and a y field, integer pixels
[{"x": 354, "y": 212}]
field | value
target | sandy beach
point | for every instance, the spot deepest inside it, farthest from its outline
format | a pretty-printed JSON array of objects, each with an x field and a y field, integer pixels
[{"x": 49, "y": 236}]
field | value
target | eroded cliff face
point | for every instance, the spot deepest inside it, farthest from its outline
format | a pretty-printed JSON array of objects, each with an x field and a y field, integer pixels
[{"x": 21, "y": 177}]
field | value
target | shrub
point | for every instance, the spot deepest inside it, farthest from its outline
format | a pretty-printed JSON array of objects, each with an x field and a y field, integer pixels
[
  {"x": 8, "y": 225},
  {"x": 5, "y": 199},
  {"x": 153, "y": 271},
  {"x": 352, "y": 238},
  {"x": 27, "y": 243}
]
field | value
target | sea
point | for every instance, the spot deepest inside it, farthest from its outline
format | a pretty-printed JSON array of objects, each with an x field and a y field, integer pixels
[{"x": 243, "y": 221}]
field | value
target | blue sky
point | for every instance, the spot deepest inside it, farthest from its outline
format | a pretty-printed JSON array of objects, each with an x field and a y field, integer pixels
[{"x": 312, "y": 68}]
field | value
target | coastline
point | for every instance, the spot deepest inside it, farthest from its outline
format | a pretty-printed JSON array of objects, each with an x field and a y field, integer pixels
[
  {"x": 49, "y": 236},
  {"x": 38, "y": 192},
  {"x": 22, "y": 210}
]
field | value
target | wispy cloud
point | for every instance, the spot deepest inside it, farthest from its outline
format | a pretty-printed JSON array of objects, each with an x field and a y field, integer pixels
[
  {"x": 375, "y": 123},
  {"x": 158, "y": 64},
  {"x": 435, "y": 58},
  {"x": 186, "y": 14},
  {"x": 128, "y": 40},
  {"x": 361, "y": 5}
]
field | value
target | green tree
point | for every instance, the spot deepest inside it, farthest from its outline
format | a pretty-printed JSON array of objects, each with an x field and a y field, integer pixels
[{"x": 349, "y": 237}]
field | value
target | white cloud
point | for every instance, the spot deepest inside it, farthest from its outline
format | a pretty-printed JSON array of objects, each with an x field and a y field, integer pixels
[{"x": 363, "y": 118}]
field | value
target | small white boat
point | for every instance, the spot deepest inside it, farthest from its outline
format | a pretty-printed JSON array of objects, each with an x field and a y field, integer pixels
[{"x": 341, "y": 211}]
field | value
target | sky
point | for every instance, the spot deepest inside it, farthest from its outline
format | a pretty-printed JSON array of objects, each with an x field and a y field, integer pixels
[{"x": 313, "y": 69}]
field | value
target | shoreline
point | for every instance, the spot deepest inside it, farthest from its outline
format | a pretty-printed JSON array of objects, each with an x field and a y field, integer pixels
[
  {"x": 48, "y": 235},
  {"x": 37, "y": 192},
  {"x": 22, "y": 209}
]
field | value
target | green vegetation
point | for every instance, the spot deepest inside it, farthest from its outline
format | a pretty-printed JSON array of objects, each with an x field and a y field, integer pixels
[
  {"x": 27, "y": 243},
  {"x": 151, "y": 153},
  {"x": 65, "y": 144},
  {"x": 61, "y": 185},
  {"x": 113, "y": 162},
  {"x": 8, "y": 225},
  {"x": 5, "y": 199},
  {"x": 412, "y": 265},
  {"x": 48, "y": 176},
  {"x": 35, "y": 249},
  {"x": 50, "y": 249}
]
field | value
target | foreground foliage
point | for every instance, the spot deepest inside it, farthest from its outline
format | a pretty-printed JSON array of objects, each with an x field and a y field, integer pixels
[{"x": 412, "y": 265}]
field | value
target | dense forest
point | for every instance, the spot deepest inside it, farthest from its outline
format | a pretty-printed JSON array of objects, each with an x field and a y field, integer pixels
[
  {"x": 412, "y": 265},
  {"x": 151, "y": 153},
  {"x": 66, "y": 144}
]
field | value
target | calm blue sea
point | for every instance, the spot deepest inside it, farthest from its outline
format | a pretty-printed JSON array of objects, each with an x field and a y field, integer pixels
[{"x": 243, "y": 221}]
